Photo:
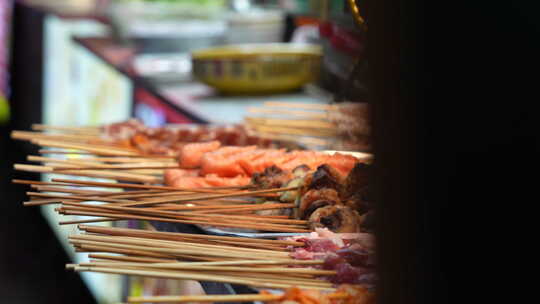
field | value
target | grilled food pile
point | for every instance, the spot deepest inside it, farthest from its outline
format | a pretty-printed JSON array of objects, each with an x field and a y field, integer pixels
[{"x": 325, "y": 197}]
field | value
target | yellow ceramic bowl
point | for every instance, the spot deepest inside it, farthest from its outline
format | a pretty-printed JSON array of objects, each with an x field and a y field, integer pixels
[{"x": 257, "y": 68}]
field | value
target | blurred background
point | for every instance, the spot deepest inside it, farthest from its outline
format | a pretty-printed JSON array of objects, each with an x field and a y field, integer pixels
[{"x": 92, "y": 62}]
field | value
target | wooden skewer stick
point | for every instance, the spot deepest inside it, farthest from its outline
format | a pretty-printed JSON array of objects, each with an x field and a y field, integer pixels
[
  {"x": 134, "y": 186},
  {"x": 25, "y": 135},
  {"x": 216, "y": 263},
  {"x": 73, "y": 191},
  {"x": 79, "y": 197},
  {"x": 308, "y": 114},
  {"x": 127, "y": 160},
  {"x": 87, "y": 162},
  {"x": 212, "y": 222},
  {"x": 109, "y": 172},
  {"x": 252, "y": 207},
  {"x": 194, "y": 276},
  {"x": 103, "y": 174},
  {"x": 71, "y": 129},
  {"x": 115, "y": 168},
  {"x": 208, "y": 219},
  {"x": 174, "y": 244},
  {"x": 293, "y": 279},
  {"x": 111, "y": 194},
  {"x": 179, "y": 236},
  {"x": 199, "y": 251},
  {"x": 128, "y": 251},
  {"x": 102, "y": 150},
  {"x": 129, "y": 258},
  {"x": 49, "y": 151},
  {"x": 293, "y": 123},
  {"x": 41, "y": 202},
  {"x": 206, "y": 197},
  {"x": 150, "y": 157},
  {"x": 133, "y": 193},
  {"x": 95, "y": 220},
  {"x": 187, "y": 266},
  {"x": 311, "y": 106},
  {"x": 152, "y": 211}
]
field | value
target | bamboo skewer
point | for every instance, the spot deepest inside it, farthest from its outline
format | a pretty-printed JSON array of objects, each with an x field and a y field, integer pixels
[
  {"x": 152, "y": 191},
  {"x": 100, "y": 150},
  {"x": 179, "y": 236},
  {"x": 73, "y": 191},
  {"x": 88, "y": 163},
  {"x": 80, "y": 197},
  {"x": 83, "y": 164},
  {"x": 74, "y": 166},
  {"x": 110, "y": 194},
  {"x": 108, "y": 257},
  {"x": 217, "y": 263},
  {"x": 41, "y": 202},
  {"x": 48, "y": 151},
  {"x": 95, "y": 220},
  {"x": 116, "y": 168},
  {"x": 188, "y": 266},
  {"x": 175, "y": 244},
  {"x": 138, "y": 253},
  {"x": 196, "y": 221},
  {"x": 213, "y": 196},
  {"x": 177, "y": 215},
  {"x": 293, "y": 123},
  {"x": 126, "y": 160},
  {"x": 150, "y": 157},
  {"x": 212, "y": 222},
  {"x": 200, "y": 277},
  {"x": 307, "y": 114},
  {"x": 102, "y": 174},
  {"x": 146, "y": 189},
  {"x": 181, "y": 243},
  {"x": 293, "y": 275},
  {"x": 310, "y": 106},
  {"x": 152, "y": 211},
  {"x": 78, "y": 130},
  {"x": 76, "y": 138},
  {"x": 196, "y": 248},
  {"x": 135, "y": 186},
  {"x": 253, "y": 207},
  {"x": 183, "y": 250}
]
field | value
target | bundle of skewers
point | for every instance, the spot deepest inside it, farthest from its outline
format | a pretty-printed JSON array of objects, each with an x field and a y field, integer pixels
[
  {"x": 215, "y": 179},
  {"x": 276, "y": 200},
  {"x": 215, "y": 207},
  {"x": 205, "y": 183},
  {"x": 126, "y": 151},
  {"x": 342, "y": 126},
  {"x": 320, "y": 260}
]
